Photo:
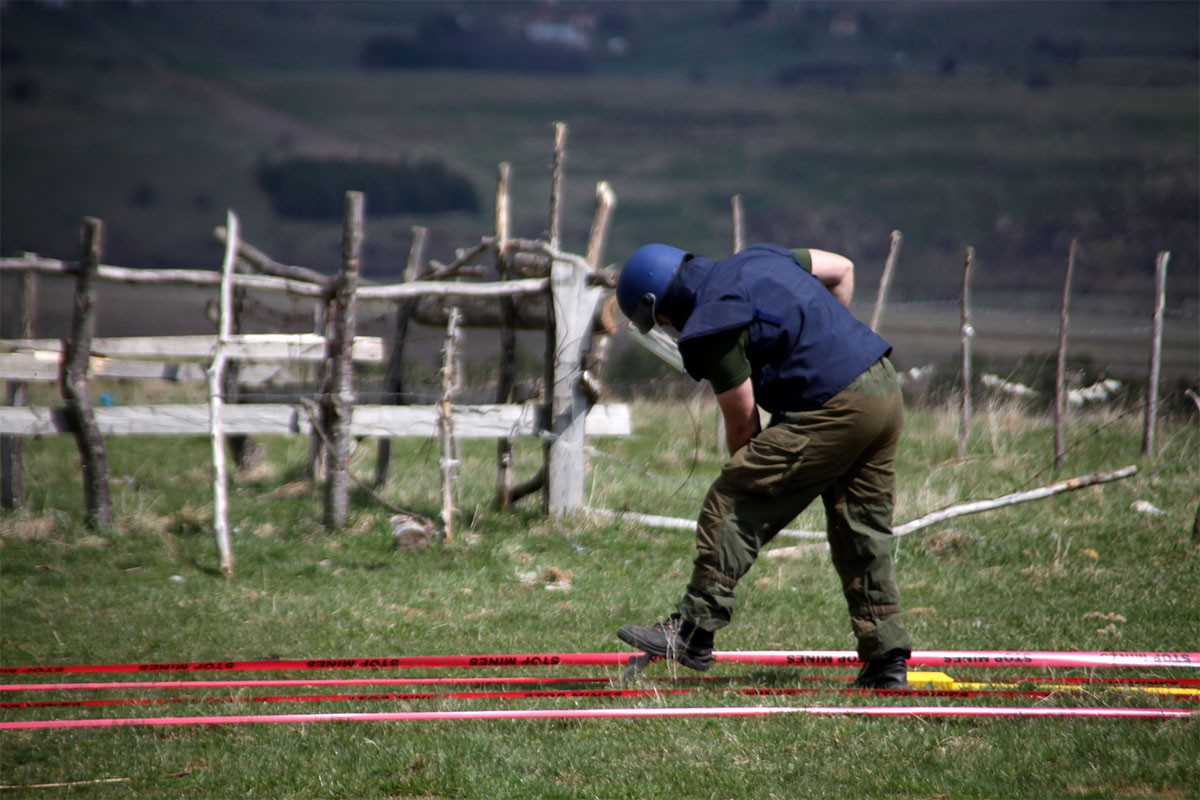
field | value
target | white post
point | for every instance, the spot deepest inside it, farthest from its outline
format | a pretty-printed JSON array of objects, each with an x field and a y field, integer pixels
[
  {"x": 574, "y": 306},
  {"x": 216, "y": 374}
]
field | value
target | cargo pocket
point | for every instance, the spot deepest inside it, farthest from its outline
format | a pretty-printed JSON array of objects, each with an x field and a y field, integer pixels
[{"x": 768, "y": 464}]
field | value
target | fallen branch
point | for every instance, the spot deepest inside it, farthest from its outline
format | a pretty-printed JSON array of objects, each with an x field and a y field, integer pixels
[
  {"x": 64, "y": 784},
  {"x": 962, "y": 509},
  {"x": 656, "y": 521}
]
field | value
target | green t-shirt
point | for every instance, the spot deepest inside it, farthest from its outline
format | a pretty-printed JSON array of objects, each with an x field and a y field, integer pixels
[{"x": 724, "y": 362}]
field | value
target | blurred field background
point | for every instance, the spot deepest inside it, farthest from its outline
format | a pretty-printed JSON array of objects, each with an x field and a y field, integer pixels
[{"x": 1010, "y": 127}]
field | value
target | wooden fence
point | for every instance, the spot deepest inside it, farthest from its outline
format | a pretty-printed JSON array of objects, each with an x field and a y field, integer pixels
[{"x": 568, "y": 288}]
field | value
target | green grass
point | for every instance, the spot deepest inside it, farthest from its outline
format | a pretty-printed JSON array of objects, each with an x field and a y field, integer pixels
[{"x": 1077, "y": 572}]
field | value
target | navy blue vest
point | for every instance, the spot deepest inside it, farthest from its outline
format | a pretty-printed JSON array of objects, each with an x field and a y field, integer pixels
[{"x": 804, "y": 346}]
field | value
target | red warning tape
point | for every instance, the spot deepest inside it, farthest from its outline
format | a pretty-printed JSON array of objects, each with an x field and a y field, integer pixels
[
  {"x": 514, "y": 680},
  {"x": 806, "y": 658},
  {"x": 542, "y": 693},
  {"x": 608, "y": 713},
  {"x": 242, "y": 684}
]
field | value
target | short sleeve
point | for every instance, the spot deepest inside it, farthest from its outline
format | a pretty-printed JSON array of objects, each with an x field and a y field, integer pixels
[
  {"x": 804, "y": 257},
  {"x": 722, "y": 359}
]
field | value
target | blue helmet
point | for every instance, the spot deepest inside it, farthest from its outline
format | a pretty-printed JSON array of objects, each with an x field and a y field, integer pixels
[{"x": 643, "y": 281}]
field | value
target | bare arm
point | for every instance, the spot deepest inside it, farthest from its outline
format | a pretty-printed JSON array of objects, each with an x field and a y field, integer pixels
[
  {"x": 836, "y": 272},
  {"x": 741, "y": 415}
]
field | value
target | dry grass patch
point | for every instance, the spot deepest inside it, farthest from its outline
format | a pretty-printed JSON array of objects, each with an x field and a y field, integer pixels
[{"x": 21, "y": 527}]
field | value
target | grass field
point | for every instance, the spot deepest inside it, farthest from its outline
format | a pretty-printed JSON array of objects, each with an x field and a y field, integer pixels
[{"x": 1082, "y": 571}]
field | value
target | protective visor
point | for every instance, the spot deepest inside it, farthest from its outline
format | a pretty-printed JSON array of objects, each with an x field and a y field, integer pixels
[
  {"x": 643, "y": 314},
  {"x": 660, "y": 344}
]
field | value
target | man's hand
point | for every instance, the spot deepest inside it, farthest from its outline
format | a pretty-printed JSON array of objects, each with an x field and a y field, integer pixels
[
  {"x": 741, "y": 415},
  {"x": 836, "y": 272}
]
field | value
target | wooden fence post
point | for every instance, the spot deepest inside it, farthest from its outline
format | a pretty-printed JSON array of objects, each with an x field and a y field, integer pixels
[
  {"x": 602, "y": 333},
  {"x": 393, "y": 382},
  {"x": 316, "y": 445},
  {"x": 556, "y": 183},
  {"x": 19, "y": 326},
  {"x": 445, "y": 424},
  {"x": 1060, "y": 373},
  {"x": 216, "y": 385},
  {"x": 967, "y": 332},
  {"x": 551, "y": 354},
  {"x": 1160, "y": 295},
  {"x": 74, "y": 380},
  {"x": 739, "y": 244},
  {"x": 739, "y": 224},
  {"x": 574, "y": 306},
  {"x": 885, "y": 280},
  {"x": 606, "y": 203},
  {"x": 241, "y": 446},
  {"x": 338, "y": 401},
  {"x": 508, "y": 336}
]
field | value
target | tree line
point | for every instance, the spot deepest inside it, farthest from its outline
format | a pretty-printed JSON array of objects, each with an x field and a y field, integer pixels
[{"x": 314, "y": 188}]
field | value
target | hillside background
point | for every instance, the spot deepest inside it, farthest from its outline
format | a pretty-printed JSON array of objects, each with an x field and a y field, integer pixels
[{"x": 1013, "y": 127}]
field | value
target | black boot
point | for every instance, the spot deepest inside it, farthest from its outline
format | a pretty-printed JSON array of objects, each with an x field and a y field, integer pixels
[
  {"x": 674, "y": 638},
  {"x": 890, "y": 671}
]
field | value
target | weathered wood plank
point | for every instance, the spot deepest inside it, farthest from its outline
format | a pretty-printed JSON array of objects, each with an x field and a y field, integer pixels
[
  {"x": 401, "y": 291},
  {"x": 574, "y": 307},
  {"x": 243, "y": 347},
  {"x": 470, "y": 422},
  {"x": 182, "y": 420},
  {"x": 269, "y": 283},
  {"x": 43, "y": 366},
  {"x": 179, "y": 277}
]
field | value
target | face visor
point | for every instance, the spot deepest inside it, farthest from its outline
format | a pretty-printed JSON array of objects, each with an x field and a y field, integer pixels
[
  {"x": 660, "y": 344},
  {"x": 643, "y": 313}
]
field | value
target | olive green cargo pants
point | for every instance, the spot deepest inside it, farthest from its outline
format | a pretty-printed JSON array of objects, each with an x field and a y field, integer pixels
[{"x": 843, "y": 453}]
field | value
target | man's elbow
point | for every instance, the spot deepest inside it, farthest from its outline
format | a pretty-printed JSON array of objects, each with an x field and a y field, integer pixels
[
  {"x": 844, "y": 290},
  {"x": 842, "y": 272},
  {"x": 843, "y": 268},
  {"x": 835, "y": 271}
]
